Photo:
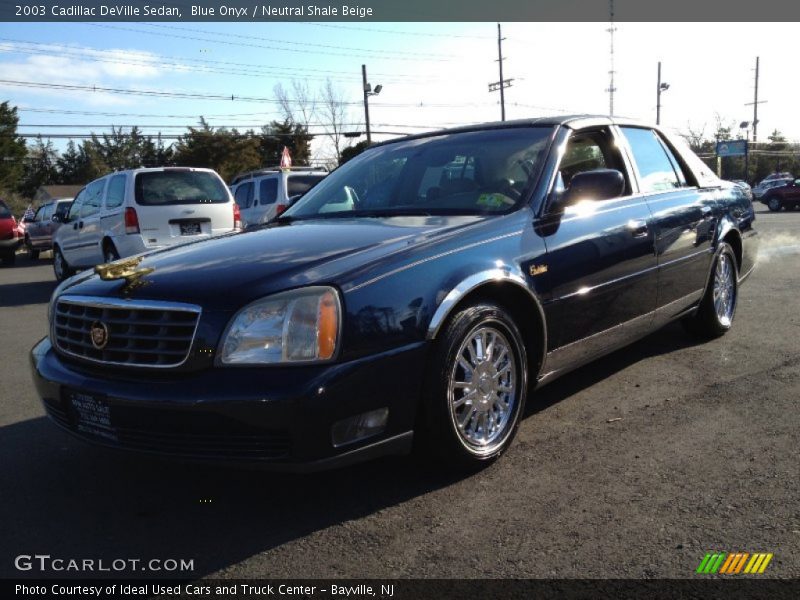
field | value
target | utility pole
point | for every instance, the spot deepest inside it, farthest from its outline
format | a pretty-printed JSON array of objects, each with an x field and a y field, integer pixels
[
  {"x": 503, "y": 83},
  {"x": 366, "y": 102},
  {"x": 611, "y": 87},
  {"x": 755, "y": 104}
]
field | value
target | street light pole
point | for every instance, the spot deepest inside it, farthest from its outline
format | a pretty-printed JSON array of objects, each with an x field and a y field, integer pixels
[
  {"x": 658, "y": 96},
  {"x": 367, "y": 90}
]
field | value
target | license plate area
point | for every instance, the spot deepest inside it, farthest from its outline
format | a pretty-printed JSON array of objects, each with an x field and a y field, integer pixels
[
  {"x": 190, "y": 228},
  {"x": 90, "y": 414}
]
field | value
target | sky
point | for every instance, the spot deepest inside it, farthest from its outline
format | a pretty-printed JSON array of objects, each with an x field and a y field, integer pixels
[{"x": 433, "y": 74}]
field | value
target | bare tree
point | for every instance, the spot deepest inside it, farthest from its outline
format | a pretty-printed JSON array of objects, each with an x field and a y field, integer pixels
[
  {"x": 694, "y": 136},
  {"x": 332, "y": 112},
  {"x": 298, "y": 105}
]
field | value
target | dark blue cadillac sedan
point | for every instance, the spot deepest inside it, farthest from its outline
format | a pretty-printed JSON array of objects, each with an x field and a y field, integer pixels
[{"x": 412, "y": 299}]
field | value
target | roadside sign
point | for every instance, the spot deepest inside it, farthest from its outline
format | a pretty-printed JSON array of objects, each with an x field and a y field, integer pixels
[{"x": 732, "y": 148}]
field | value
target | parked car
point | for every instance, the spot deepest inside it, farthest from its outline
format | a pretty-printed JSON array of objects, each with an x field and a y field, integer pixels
[
  {"x": 264, "y": 194},
  {"x": 40, "y": 229},
  {"x": 9, "y": 235},
  {"x": 397, "y": 305},
  {"x": 762, "y": 188},
  {"x": 129, "y": 212},
  {"x": 783, "y": 196},
  {"x": 777, "y": 175},
  {"x": 745, "y": 186}
]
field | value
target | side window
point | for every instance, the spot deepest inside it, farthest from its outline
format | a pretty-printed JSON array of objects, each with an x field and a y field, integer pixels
[
  {"x": 94, "y": 198},
  {"x": 244, "y": 195},
  {"x": 77, "y": 204},
  {"x": 268, "y": 191},
  {"x": 62, "y": 210},
  {"x": 39, "y": 216},
  {"x": 656, "y": 171},
  {"x": 47, "y": 213},
  {"x": 590, "y": 151},
  {"x": 116, "y": 191}
]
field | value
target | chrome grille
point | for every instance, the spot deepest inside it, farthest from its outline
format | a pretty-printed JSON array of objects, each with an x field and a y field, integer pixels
[{"x": 140, "y": 333}]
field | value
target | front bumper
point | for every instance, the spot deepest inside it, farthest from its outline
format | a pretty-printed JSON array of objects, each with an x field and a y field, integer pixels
[{"x": 281, "y": 417}]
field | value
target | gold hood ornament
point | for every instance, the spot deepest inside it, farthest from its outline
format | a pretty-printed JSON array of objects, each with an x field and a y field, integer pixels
[{"x": 125, "y": 269}]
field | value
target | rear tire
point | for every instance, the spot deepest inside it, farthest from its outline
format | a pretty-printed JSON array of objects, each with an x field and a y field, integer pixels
[
  {"x": 773, "y": 204},
  {"x": 714, "y": 316},
  {"x": 33, "y": 253},
  {"x": 61, "y": 267},
  {"x": 110, "y": 253},
  {"x": 475, "y": 389}
]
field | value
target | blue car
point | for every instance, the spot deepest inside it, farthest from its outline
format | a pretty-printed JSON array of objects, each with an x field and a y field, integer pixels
[{"x": 414, "y": 299}]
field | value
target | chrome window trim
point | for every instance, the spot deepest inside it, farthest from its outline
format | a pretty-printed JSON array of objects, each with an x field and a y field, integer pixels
[{"x": 103, "y": 302}]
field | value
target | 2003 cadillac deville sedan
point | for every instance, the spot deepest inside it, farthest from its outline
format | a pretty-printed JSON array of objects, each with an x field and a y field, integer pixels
[{"x": 413, "y": 298}]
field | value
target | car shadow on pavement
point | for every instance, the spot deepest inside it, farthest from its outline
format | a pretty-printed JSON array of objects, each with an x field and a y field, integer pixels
[
  {"x": 62, "y": 497},
  {"x": 67, "y": 499},
  {"x": 21, "y": 294},
  {"x": 664, "y": 341}
]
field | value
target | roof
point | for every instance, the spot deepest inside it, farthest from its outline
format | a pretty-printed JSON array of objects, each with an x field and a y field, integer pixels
[
  {"x": 50, "y": 192},
  {"x": 572, "y": 121}
]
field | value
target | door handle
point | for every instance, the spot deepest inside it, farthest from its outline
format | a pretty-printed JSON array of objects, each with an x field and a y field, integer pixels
[
  {"x": 638, "y": 229},
  {"x": 80, "y": 224},
  {"x": 75, "y": 226}
]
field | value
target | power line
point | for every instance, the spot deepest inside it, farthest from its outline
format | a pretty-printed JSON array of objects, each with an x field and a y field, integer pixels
[
  {"x": 306, "y": 43},
  {"x": 403, "y": 33},
  {"x": 261, "y": 46}
]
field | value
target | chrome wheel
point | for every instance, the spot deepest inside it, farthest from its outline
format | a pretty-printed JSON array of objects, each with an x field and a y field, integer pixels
[
  {"x": 483, "y": 390},
  {"x": 724, "y": 292}
]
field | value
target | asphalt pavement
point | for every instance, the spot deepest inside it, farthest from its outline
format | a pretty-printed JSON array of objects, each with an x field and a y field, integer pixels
[{"x": 633, "y": 466}]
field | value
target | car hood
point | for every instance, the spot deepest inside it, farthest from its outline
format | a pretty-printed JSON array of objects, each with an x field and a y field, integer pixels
[{"x": 226, "y": 272}]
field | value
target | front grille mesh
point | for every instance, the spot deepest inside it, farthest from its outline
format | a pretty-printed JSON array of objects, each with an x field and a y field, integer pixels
[{"x": 151, "y": 336}]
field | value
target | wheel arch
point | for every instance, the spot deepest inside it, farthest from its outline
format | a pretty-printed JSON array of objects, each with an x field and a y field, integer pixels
[
  {"x": 729, "y": 234},
  {"x": 509, "y": 290}
]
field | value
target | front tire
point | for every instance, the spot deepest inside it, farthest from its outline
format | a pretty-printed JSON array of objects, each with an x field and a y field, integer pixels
[
  {"x": 476, "y": 388},
  {"x": 714, "y": 316},
  {"x": 61, "y": 267}
]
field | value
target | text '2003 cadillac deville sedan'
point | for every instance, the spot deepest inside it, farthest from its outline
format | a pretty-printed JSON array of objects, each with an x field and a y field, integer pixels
[{"x": 413, "y": 298}]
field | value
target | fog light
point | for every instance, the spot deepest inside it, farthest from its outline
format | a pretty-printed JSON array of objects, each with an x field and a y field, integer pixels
[{"x": 354, "y": 429}]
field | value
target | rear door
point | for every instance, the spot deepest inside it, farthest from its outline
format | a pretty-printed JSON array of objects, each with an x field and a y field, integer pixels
[
  {"x": 244, "y": 197},
  {"x": 46, "y": 227},
  {"x": 684, "y": 217},
  {"x": 267, "y": 198},
  {"x": 35, "y": 229},
  {"x": 174, "y": 205}
]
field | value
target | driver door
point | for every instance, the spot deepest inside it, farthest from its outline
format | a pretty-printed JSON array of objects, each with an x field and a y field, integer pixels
[{"x": 600, "y": 260}]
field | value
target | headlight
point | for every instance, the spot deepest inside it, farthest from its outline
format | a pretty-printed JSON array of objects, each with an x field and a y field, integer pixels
[{"x": 292, "y": 327}]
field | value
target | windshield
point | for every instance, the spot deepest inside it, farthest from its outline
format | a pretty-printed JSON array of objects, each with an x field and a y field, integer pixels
[
  {"x": 4, "y": 212},
  {"x": 160, "y": 188},
  {"x": 480, "y": 172}
]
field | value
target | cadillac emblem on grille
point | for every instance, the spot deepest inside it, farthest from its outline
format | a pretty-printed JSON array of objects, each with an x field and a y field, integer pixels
[{"x": 99, "y": 334}]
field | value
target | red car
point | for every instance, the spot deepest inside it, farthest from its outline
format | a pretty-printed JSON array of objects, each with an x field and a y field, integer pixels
[
  {"x": 9, "y": 235},
  {"x": 785, "y": 196}
]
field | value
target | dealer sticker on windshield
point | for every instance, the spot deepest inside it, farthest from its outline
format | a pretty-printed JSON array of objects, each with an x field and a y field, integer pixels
[{"x": 491, "y": 200}]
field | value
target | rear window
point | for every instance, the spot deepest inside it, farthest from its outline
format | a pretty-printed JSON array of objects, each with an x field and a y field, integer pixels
[
  {"x": 164, "y": 188},
  {"x": 300, "y": 184},
  {"x": 4, "y": 212}
]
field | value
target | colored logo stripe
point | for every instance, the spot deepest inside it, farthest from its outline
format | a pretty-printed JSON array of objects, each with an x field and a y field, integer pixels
[{"x": 734, "y": 563}]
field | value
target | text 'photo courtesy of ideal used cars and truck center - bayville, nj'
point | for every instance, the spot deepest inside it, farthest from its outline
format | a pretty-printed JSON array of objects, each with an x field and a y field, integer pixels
[{"x": 379, "y": 305}]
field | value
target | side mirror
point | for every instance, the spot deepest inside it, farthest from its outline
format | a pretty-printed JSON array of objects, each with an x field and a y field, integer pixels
[
  {"x": 600, "y": 184},
  {"x": 55, "y": 219},
  {"x": 295, "y": 198}
]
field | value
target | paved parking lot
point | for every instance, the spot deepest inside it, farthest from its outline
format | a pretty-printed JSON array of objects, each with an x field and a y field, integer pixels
[{"x": 634, "y": 466}]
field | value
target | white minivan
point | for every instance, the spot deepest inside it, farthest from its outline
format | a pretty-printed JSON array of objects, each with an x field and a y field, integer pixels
[
  {"x": 128, "y": 212},
  {"x": 264, "y": 194}
]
